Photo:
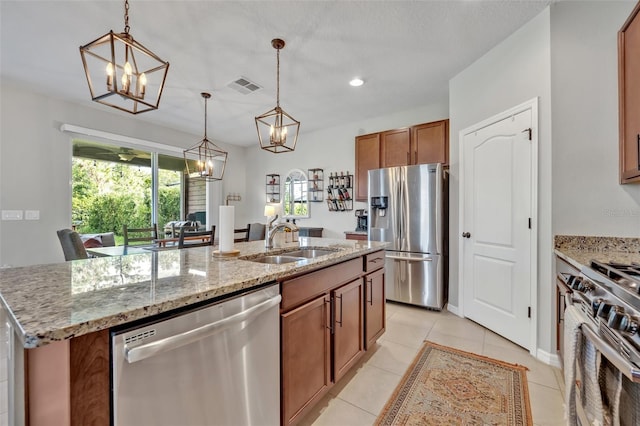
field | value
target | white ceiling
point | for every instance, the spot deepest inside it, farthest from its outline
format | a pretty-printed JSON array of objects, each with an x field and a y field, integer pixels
[{"x": 406, "y": 51}]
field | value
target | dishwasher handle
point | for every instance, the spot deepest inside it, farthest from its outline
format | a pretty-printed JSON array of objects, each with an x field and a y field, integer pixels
[{"x": 172, "y": 342}]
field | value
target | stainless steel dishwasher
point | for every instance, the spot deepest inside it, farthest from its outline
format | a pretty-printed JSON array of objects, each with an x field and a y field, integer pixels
[{"x": 216, "y": 365}]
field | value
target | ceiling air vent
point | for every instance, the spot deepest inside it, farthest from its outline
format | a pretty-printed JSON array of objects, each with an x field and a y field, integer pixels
[{"x": 244, "y": 86}]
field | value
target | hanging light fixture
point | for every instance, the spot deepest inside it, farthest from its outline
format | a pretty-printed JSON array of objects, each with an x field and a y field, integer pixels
[
  {"x": 122, "y": 73},
  {"x": 205, "y": 160},
  {"x": 277, "y": 130}
]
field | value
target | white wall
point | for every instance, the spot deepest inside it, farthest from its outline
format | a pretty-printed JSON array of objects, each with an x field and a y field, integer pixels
[
  {"x": 515, "y": 71},
  {"x": 35, "y": 166},
  {"x": 332, "y": 150},
  {"x": 587, "y": 198}
]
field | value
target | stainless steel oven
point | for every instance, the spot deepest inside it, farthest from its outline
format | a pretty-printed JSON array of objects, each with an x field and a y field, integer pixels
[{"x": 602, "y": 345}]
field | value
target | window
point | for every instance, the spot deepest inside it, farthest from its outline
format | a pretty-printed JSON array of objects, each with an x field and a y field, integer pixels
[{"x": 113, "y": 185}]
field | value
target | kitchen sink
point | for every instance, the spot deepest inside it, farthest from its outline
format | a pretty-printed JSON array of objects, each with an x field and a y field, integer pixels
[
  {"x": 310, "y": 253},
  {"x": 277, "y": 259}
]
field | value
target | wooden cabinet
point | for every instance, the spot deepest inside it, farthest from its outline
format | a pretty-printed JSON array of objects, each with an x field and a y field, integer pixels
[
  {"x": 374, "y": 311},
  {"x": 374, "y": 297},
  {"x": 629, "y": 97},
  {"x": 355, "y": 236},
  {"x": 306, "y": 356},
  {"x": 430, "y": 143},
  {"x": 348, "y": 327},
  {"x": 367, "y": 158},
  {"x": 323, "y": 329},
  {"x": 395, "y": 148},
  {"x": 421, "y": 144}
]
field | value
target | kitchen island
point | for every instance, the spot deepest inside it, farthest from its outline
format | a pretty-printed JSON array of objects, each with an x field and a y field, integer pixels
[{"x": 69, "y": 308}]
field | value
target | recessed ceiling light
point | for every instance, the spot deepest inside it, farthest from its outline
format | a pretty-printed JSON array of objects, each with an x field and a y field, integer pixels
[{"x": 356, "y": 82}]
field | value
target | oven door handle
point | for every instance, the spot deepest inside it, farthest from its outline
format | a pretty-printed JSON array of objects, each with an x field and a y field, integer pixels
[{"x": 612, "y": 355}]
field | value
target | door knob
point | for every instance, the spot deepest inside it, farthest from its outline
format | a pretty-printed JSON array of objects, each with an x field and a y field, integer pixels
[{"x": 466, "y": 234}]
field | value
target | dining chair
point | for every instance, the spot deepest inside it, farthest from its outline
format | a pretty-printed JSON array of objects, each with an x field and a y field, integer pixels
[
  {"x": 189, "y": 239},
  {"x": 240, "y": 235},
  {"x": 140, "y": 235},
  {"x": 72, "y": 246},
  {"x": 255, "y": 231}
]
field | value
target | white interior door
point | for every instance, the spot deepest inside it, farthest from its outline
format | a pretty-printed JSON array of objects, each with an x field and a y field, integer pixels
[{"x": 497, "y": 214}]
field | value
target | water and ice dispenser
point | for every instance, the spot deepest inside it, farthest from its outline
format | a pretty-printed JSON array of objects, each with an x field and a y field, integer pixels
[{"x": 379, "y": 205}]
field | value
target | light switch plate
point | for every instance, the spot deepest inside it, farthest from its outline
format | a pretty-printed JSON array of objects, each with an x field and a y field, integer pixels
[
  {"x": 11, "y": 214},
  {"x": 32, "y": 215}
]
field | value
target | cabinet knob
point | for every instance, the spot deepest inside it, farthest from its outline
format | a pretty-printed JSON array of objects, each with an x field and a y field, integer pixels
[{"x": 466, "y": 235}]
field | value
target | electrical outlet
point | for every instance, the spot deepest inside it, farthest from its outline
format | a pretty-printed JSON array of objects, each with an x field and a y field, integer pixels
[
  {"x": 32, "y": 215},
  {"x": 11, "y": 214}
]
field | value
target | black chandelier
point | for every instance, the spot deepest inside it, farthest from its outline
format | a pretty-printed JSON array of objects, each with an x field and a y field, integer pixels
[
  {"x": 122, "y": 73},
  {"x": 277, "y": 130}
]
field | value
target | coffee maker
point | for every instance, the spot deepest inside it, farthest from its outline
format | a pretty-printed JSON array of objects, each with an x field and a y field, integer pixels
[{"x": 361, "y": 221}]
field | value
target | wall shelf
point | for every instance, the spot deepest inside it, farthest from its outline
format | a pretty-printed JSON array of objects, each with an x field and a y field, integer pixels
[
  {"x": 340, "y": 192},
  {"x": 272, "y": 188},
  {"x": 316, "y": 185}
]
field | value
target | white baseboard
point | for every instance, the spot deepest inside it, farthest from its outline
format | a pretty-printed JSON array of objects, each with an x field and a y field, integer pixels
[
  {"x": 453, "y": 309},
  {"x": 551, "y": 359}
]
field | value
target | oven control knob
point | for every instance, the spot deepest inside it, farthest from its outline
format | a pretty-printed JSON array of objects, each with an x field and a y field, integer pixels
[
  {"x": 595, "y": 304},
  {"x": 628, "y": 324},
  {"x": 603, "y": 309},
  {"x": 576, "y": 283},
  {"x": 615, "y": 317}
]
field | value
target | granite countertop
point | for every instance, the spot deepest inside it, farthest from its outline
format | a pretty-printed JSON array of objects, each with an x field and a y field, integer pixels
[
  {"x": 579, "y": 251},
  {"x": 54, "y": 302}
]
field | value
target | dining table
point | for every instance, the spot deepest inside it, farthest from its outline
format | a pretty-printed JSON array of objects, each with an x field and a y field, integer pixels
[{"x": 118, "y": 250}]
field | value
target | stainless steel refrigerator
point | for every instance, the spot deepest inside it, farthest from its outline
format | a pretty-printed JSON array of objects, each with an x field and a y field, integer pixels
[{"x": 407, "y": 210}]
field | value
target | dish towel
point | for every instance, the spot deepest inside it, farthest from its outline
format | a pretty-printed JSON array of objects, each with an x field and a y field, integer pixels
[
  {"x": 572, "y": 338},
  {"x": 610, "y": 379},
  {"x": 589, "y": 366}
]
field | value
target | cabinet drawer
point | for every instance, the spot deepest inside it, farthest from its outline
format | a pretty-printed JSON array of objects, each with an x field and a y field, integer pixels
[
  {"x": 305, "y": 287},
  {"x": 374, "y": 261}
]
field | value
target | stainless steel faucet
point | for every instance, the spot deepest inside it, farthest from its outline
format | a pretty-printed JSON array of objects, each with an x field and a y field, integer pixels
[{"x": 273, "y": 230}]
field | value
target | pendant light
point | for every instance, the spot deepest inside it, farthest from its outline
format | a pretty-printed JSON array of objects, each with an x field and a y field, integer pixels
[
  {"x": 122, "y": 73},
  {"x": 277, "y": 130},
  {"x": 205, "y": 160}
]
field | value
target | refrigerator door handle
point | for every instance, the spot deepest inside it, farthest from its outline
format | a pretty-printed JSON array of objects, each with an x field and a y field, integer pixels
[
  {"x": 409, "y": 259},
  {"x": 172, "y": 342}
]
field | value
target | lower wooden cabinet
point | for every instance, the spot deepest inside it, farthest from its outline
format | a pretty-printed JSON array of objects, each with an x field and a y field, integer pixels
[
  {"x": 374, "y": 311},
  {"x": 323, "y": 316},
  {"x": 348, "y": 328},
  {"x": 306, "y": 356}
]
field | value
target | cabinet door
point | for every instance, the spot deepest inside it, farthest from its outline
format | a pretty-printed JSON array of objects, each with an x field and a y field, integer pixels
[
  {"x": 430, "y": 143},
  {"x": 306, "y": 357},
  {"x": 367, "y": 158},
  {"x": 395, "y": 148},
  {"x": 374, "y": 307},
  {"x": 348, "y": 327},
  {"x": 629, "y": 97}
]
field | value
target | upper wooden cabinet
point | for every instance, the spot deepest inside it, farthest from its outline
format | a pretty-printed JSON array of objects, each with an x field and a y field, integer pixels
[
  {"x": 629, "y": 97},
  {"x": 421, "y": 144},
  {"x": 367, "y": 158},
  {"x": 395, "y": 148},
  {"x": 430, "y": 143}
]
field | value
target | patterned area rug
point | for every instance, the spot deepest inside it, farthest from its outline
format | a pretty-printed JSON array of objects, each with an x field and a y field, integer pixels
[{"x": 446, "y": 386}]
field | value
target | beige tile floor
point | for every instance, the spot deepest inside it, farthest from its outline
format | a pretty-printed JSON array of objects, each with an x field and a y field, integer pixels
[{"x": 360, "y": 396}]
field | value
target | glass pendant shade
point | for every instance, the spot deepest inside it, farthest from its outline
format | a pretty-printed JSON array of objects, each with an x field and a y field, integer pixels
[
  {"x": 277, "y": 130},
  {"x": 122, "y": 73},
  {"x": 205, "y": 160}
]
